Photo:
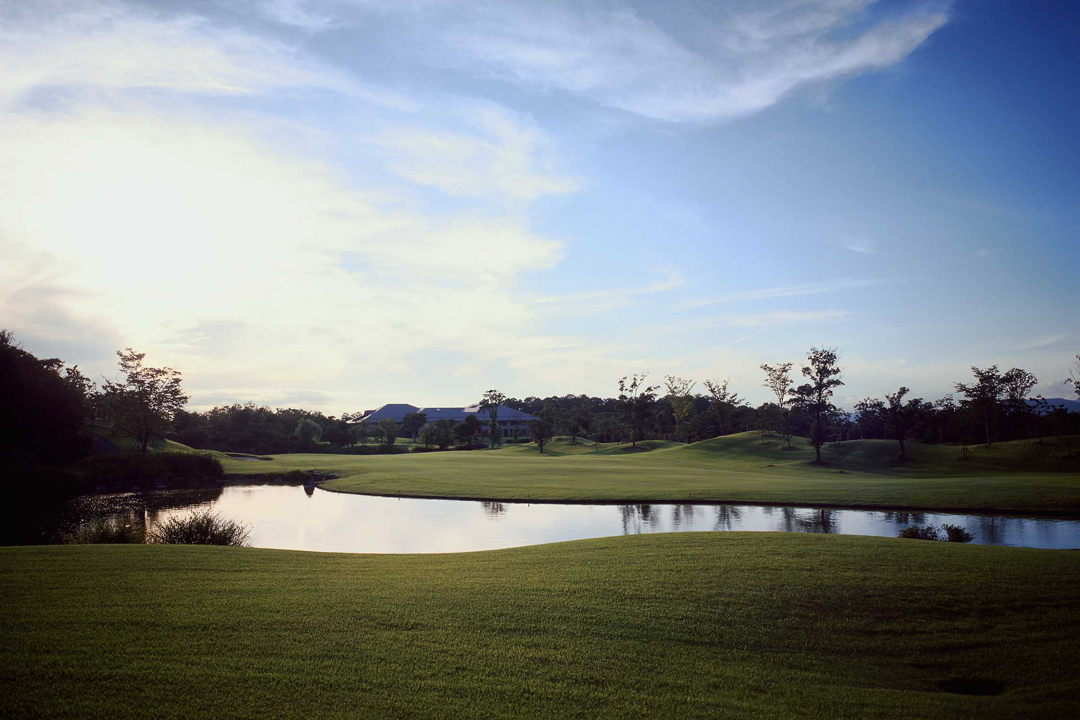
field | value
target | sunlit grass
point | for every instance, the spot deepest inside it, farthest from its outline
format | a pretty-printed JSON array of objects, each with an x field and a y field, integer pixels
[{"x": 686, "y": 625}]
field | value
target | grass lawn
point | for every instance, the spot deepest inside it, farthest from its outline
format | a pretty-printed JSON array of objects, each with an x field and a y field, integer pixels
[
  {"x": 1019, "y": 476},
  {"x": 678, "y": 625}
]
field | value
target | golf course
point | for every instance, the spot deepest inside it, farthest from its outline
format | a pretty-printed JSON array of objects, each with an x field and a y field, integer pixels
[
  {"x": 1021, "y": 476},
  {"x": 686, "y": 625}
]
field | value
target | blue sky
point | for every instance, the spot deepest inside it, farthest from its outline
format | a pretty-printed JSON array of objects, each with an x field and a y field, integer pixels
[{"x": 340, "y": 203}]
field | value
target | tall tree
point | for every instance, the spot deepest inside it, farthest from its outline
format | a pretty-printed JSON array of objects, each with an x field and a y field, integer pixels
[
  {"x": 542, "y": 431},
  {"x": 490, "y": 404},
  {"x": 1016, "y": 385},
  {"x": 871, "y": 414},
  {"x": 580, "y": 420},
  {"x": 412, "y": 422},
  {"x": 387, "y": 429},
  {"x": 983, "y": 396},
  {"x": 636, "y": 401},
  {"x": 145, "y": 402},
  {"x": 723, "y": 402},
  {"x": 901, "y": 416},
  {"x": 814, "y": 398},
  {"x": 778, "y": 379},
  {"x": 468, "y": 430},
  {"x": 682, "y": 403}
]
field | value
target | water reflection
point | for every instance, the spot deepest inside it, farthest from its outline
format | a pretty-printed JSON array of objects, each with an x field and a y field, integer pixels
[{"x": 291, "y": 517}]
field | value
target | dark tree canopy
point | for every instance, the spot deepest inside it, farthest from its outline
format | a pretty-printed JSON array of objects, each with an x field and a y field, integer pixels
[
  {"x": 814, "y": 399},
  {"x": 41, "y": 410},
  {"x": 144, "y": 404},
  {"x": 490, "y": 404},
  {"x": 636, "y": 402}
]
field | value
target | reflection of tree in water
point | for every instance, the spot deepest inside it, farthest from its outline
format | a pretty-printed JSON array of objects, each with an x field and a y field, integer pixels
[
  {"x": 493, "y": 509},
  {"x": 904, "y": 519},
  {"x": 726, "y": 516},
  {"x": 636, "y": 517},
  {"x": 814, "y": 521},
  {"x": 682, "y": 514}
]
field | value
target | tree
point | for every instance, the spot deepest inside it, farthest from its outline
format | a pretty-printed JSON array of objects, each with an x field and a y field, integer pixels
[
  {"x": 1016, "y": 385},
  {"x": 900, "y": 416},
  {"x": 144, "y": 404},
  {"x": 412, "y": 422},
  {"x": 778, "y": 379},
  {"x": 361, "y": 431},
  {"x": 1074, "y": 377},
  {"x": 983, "y": 396},
  {"x": 41, "y": 411},
  {"x": 439, "y": 433},
  {"x": 581, "y": 420},
  {"x": 813, "y": 398},
  {"x": 307, "y": 431},
  {"x": 467, "y": 431},
  {"x": 636, "y": 401},
  {"x": 541, "y": 432},
  {"x": 387, "y": 429},
  {"x": 490, "y": 404},
  {"x": 682, "y": 403},
  {"x": 723, "y": 402}
]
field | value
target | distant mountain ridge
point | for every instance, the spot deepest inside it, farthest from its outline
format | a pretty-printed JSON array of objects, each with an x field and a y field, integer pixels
[{"x": 1070, "y": 405}]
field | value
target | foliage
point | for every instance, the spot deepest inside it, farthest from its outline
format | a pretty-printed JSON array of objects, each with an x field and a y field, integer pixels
[
  {"x": 467, "y": 432},
  {"x": 900, "y": 416},
  {"x": 682, "y": 403},
  {"x": 412, "y": 422},
  {"x": 41, "y": 410},
  {"x": 636, "y": 402},
  {"x": 387, "y": 429},
  {"x": 307, "y": 431},
  {"x": 942, "y": 533},
  {"x": 438, "y": 434},
  {"x": 144, "y": 404},
  {"x": 490, "y": 404},
  {"x": 201, "y": 527},
  {"x": 723, "y": 402},
  {"x": 133, "y": 470},
  {"x": 541, "y": 432},
  {"x": 778, "y": 380},
  {"x": 814, "y": 398},
  {"x": 113, "y": 531}
]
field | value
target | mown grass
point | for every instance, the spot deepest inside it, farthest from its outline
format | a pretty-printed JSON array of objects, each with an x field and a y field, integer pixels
[
  {"x": 681, "y": 625},
  {"x": 1018, "y": 476}
]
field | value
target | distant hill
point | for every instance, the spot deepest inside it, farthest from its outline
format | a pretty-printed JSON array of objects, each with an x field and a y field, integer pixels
[{"x": 1070, "y": 405}]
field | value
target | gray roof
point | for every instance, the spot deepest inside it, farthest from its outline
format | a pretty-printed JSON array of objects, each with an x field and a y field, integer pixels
[{"x": 396, "y": 411}]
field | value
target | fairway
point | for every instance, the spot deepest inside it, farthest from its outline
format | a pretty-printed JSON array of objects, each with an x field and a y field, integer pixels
[
  {"x": 692, "y": 625},
  {"x": 1019, "y": 476}
]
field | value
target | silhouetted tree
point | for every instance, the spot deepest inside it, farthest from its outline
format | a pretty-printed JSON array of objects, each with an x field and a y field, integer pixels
[
  {"x": 541, "y": 432},
  {"x": 778, "y": 379},
  {"x": 636, "y": 400},
  {"x": 580, "y": 421},
  {"x": 900, "y": 416},
  {"x": 813, "y": 398},
  {"x": 682, "y": 403},
  {"x": 145, "y": 402},
  {"x": 870, "y": 414},
  {"x": 490, "y": 404},
  {"x": 723, "y": 403},
  {"x": 983, "y": 396}
]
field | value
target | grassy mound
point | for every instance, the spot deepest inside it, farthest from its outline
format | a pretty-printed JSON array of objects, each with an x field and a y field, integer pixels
[{"x": 687, "y": 625}]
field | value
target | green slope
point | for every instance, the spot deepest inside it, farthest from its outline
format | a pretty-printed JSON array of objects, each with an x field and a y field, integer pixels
[{"x": 687, "y": 625}]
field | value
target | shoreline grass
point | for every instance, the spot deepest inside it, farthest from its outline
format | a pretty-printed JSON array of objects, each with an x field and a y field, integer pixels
[
  {"x": 1017, "y": 477},
  {"x": 687, "y": 625}
]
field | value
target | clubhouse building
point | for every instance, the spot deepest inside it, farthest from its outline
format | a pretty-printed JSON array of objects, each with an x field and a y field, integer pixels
[{"x": 512, "y": 422}]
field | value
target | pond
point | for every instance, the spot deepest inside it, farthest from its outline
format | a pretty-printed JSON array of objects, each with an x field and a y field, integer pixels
[{"x": 296, "y": 518}]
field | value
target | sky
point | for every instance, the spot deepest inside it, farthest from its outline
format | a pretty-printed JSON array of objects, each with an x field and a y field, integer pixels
[{"x": 334, "y": 204}]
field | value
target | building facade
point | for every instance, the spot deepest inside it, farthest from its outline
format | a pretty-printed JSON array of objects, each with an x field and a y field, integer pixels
[{"x": 512, "y": 423}]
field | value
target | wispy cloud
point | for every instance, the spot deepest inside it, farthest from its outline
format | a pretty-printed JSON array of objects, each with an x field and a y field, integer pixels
[
  {"x": 733, "y": 63},
  {"x": 764, "y": 320},
  {"x": 782, "y": 292},
  {"x": 1042, "y": 341},
  {"x": 865, "y": 247},
  {"x": 595, "y": 302}
]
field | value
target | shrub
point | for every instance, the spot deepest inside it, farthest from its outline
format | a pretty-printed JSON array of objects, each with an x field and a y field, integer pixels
[
  {"x": 111, "y": 531},
  {"x": 202, "y": 527},
  {"x": 955, "y": 533},
  {"x": 944, "y": 533},
  {"x": 913, "y": 532}
]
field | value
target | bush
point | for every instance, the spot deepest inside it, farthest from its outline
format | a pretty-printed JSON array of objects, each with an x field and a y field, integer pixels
[
  {"x": 955, "y": 533},
  {"x": 946, "y": 533},
  {"x": 114, "y": 531},
  {"x": 930, "y": 532},
  {"x": 202, "y": 527}
]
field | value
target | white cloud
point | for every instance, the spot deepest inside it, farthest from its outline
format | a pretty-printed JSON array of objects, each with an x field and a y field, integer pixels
[
  {"x": 782, "y": 292},
  {"x": 719, "y": 64},
  {"x": 865, "y": 247}
]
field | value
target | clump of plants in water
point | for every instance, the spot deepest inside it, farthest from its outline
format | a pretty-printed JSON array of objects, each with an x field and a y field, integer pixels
[
  {"x": 943, "y": 533},
  {"x": 108, "y": 531},
  {"x": 201, "y": 527}
]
